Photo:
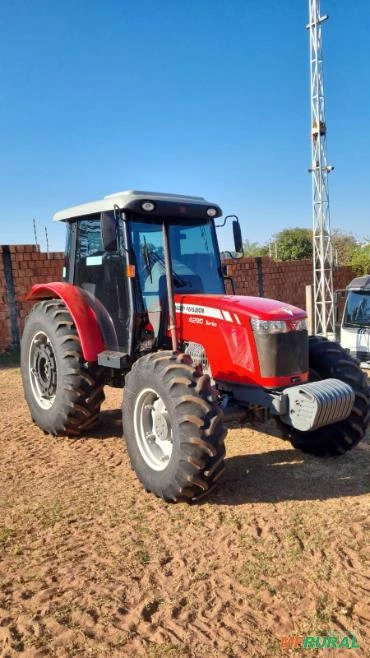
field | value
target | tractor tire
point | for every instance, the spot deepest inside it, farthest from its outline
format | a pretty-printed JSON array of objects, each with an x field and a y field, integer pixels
[
  {"x": 172, "y": 427},
  {"x": 63, "y": 393},
  {"x": 328, "y": 359}
]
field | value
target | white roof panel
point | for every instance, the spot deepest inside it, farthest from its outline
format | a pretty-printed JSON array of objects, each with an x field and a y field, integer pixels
[{"x": 121, "y": 199}]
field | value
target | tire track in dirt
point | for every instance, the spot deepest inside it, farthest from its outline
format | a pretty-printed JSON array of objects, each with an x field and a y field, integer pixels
[{"x": 91, "y": 565}]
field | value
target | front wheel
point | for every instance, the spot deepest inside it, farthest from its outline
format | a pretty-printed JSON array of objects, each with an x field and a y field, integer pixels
[
  {"x": 173, "y": 431},
  {"x": 328, "y": 359},
  {"x": 63, "y": 392}
]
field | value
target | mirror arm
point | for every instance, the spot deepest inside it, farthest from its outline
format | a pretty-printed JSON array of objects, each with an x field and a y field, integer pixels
[
  {"x": 225, "y": 220},
  {"x": 235, "y": 257}
]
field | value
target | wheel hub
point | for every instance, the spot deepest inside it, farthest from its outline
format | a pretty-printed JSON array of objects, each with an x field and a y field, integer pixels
[
  {"x": 153, "y": 429},
  {"x": 43, "y": 370},
  {"x": 161, "y": 427}
]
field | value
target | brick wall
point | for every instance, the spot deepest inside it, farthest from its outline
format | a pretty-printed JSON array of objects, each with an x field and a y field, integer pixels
[
  {"x": 252, "y": 276},
  {"x": 5, "y": 336},
  {"x": 28, "y": 266},
  {"x": 283, "y": 280}
]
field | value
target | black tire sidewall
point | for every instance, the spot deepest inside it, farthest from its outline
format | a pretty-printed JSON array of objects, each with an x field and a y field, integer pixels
[
  {"x": 151, "y": 479},
  {"x": 69, "y": 412}
]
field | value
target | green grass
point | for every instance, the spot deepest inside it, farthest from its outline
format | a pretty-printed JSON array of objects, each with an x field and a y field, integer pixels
[
  {"x": 142, "y": 555},
  {"x": 63, "y": 615},
  {"x": 51, "y": 514},
  {"x": 10, "y": 359},
  {"x": 166, "y": 650},
  {"x": 5, "y": 534}
]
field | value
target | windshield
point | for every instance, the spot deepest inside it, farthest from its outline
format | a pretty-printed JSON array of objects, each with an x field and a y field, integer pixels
[
  {"x": 195, "y": 261},
  {"x": 357, "y": 311}
]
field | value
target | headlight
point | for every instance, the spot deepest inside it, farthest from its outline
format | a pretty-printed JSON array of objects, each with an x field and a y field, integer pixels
[
  {"x": 277, "y": 326},
  {"x": 298, "y": 325}
]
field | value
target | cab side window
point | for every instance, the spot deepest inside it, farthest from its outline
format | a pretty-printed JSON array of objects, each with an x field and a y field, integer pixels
[
  {"x": 89, "y": 254},
  {"x": 89, "y": 241},
  {"x": 67, "y": 252},
  {"x": 102, "y": 275}
]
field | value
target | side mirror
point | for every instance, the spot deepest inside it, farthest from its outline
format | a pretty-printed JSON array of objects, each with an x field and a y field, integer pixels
[
  {"x": 238, "y": 240},
  {"x": 108, "y": 228}
]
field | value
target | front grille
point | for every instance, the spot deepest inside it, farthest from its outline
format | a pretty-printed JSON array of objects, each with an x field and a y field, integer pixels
[
  {"x": 198, "y": 355},
  {"x": 281, "y": 355}
]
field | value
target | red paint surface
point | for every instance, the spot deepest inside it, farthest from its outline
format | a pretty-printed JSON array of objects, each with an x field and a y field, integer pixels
[
  {"x": 83, "y": 316},
  {"x": 230, "y": 346}
]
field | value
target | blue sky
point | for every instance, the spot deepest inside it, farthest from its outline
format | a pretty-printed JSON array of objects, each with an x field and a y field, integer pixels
[{"x": 204, "y": 97}]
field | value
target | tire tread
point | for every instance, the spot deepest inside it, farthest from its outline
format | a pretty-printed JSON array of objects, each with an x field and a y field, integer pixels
[
  {"x": 81, "y": 392},
  {"x": 199, "y": 427}
]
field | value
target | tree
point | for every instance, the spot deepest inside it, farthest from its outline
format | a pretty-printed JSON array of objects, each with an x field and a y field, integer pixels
[
  {"x": 360, "y": 260},
  {"x": 296, "y": 243},
  {"x": 344, "y": 245},
  {"x": 293, "y": 243},
  {"x": 254, "y": 249}
]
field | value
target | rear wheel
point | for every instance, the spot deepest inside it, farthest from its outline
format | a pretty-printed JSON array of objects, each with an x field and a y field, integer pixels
[
  {"x": 328, "y": 359},
  {"x": 63, "y": 393},
  {"x": 173, "y": 430}
]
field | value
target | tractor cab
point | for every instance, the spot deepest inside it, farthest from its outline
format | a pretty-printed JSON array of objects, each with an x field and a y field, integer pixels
[{"x": 116, "y": 252}]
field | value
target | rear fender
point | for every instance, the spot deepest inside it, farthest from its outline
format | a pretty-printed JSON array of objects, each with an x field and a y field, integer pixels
[{"x": 84, "y": 317}]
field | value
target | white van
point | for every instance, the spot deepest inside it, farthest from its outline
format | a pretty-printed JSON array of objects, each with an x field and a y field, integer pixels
[{"x": 355, "y": 328}]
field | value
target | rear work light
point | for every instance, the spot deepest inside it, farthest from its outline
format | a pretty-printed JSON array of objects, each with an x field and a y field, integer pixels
[
  {"x": 148, "y": 206},
  {"x": 277, "y": 326}
]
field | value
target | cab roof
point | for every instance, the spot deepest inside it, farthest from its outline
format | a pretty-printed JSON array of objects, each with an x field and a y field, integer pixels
[
  {"x": 125, "y": 199},
  {"x": 360, "y": 283}
]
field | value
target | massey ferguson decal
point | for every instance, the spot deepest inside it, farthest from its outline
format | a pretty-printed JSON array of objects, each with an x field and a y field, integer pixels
[
  {"x": 207, "y": 323},
  {"x": 206, "y": 311},
  {"x": 189, "y": 309}
]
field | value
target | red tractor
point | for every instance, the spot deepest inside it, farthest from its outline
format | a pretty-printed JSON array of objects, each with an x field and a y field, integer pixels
[{"x": 142, "y": 305}]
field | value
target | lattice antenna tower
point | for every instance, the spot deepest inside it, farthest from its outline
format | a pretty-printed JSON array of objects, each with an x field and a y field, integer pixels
[{"x": 324, "y": 321}]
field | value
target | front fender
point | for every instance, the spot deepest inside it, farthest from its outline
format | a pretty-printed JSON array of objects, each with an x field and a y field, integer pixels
[{"x": 82, "y": 314}]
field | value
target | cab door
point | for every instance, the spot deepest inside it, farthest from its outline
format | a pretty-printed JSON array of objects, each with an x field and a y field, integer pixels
[{"x": 102, "y": 275}]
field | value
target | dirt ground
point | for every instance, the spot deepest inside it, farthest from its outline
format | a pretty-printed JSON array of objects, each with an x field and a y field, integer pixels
[{"x": 92, "y": 565}]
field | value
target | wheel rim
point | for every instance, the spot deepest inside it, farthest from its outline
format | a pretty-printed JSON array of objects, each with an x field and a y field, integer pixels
[
  {"x": 43, "y": 370},
  {"x": 153, "y": 430}
]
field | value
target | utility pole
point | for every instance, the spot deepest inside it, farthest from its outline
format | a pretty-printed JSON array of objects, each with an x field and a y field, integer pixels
[
  {"x": 47, "y": 242},
  {"x": 324, "y": 322},
  {"x": 35, "y": 234}
]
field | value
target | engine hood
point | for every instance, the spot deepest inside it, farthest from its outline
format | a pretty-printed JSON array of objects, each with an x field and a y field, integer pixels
[
  {"x": 221, "y": 326},
  {"x": 238, "y": 306}
]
